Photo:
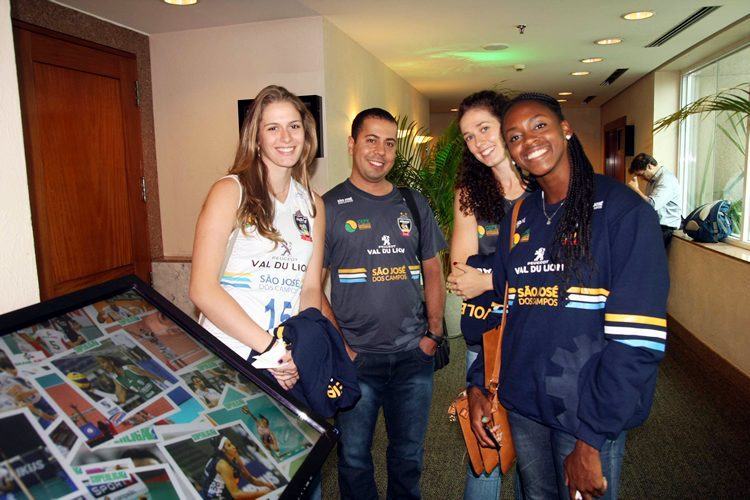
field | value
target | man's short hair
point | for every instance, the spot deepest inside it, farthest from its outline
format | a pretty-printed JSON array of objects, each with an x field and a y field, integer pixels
[
  {"x": 641, "y": 163},
  {"x": 378, "y": 113}
]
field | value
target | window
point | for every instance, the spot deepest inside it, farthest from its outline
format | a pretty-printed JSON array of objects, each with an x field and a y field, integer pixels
[{"x": 713, "y": 147}]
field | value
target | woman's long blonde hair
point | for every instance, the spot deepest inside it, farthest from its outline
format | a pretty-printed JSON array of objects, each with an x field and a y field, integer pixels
[{"x": 256, "y": 206}]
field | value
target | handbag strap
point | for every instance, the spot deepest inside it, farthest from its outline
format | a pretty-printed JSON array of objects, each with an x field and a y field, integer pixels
[{"x": 493, "y": 383}]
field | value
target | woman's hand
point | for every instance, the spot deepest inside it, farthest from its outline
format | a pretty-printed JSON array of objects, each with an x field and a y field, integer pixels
[
  {"x": 480, "y": 413},
  {"x": 286, "y": 373},
  {"x": 468, "y": 282},
  {"x": 583, "y": 472}
]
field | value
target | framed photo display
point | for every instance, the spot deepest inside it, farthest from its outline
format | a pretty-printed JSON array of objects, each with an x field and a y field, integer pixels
[{"x": 118, "y": 392}]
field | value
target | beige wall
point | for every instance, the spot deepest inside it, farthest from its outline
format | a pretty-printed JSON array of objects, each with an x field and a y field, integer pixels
[
  {"x": 708, "y": 296},
  {"x": 586, "y": 124},
  {"x": 637, "y": 104},
  {"x": 440, "y": 121},
  {"x": 198, "y": 76},
  {"x": 17, "y": 258},
  {"x": 356, "y": 80},
  {"x": 666, "y": 102}
]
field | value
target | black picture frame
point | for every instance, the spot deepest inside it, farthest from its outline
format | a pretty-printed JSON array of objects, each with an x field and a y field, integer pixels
[
  {"x": 314, "y": 103},
  {"x": 300, "y": 483}
]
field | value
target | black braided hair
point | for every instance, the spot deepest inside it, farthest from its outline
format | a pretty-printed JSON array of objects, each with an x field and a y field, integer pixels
[
  {"x": 480, "y": 193},
  {"x": 572, "y": 243}
]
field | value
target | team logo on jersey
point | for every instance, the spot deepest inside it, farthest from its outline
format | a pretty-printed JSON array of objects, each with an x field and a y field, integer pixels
[
  {"x": 335, "y": 389},
  {"x": 539, "y": 254},
  {"x": 286, "y": 248},
  {"x": 404, "y": 224},
  {"x": 520, "y": 237},
  {"x": 357, "y": 225},
  {"x": 385, "y": 247},
  {"x": 303, "y": 225},
  {"x": 488, "y": 230},
  {"x": 540, "y": 264}
]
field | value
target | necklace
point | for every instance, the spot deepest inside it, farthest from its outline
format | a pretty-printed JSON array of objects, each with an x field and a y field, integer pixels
[{"x": 550, "y": 217}]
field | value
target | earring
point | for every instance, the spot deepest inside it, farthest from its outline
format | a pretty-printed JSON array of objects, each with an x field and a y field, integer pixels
[{"x": 568, "y": 136}]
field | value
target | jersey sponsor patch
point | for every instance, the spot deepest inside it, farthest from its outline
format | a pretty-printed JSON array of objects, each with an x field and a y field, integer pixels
[
  {"x": 356, "y": 275},
  {"x": 522, "y": 237},
  {"x": 343, "y": 201},
  {"x": 353, "y": 225},
  {"x": 404, "y": 224},
  {"x": 488, "y": 230},
  {"x": 303, "y": 225}
]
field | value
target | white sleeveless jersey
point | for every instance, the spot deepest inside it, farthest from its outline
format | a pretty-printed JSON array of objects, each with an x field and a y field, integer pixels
[{"x": 264, "y": 280}]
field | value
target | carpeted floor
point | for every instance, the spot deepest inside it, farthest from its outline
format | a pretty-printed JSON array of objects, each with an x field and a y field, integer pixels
[{"x": 695, "y": 444}]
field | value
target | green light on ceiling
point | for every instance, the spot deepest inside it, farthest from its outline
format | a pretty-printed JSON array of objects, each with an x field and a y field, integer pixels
[{"x": 482, "y": 57}]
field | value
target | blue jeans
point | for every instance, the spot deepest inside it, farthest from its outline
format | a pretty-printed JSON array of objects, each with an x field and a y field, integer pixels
[
  {"x": 484, "y": 486},
  {"x": 401, "y": 383},
  {"x": 541, "y": 451}
]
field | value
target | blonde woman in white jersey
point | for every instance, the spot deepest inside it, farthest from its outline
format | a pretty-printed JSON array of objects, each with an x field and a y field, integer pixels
[{"x": 275, "y": 266}]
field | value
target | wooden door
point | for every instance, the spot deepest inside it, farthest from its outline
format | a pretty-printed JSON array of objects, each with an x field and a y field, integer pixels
[
  {"x": 614, "y": 149},
  {"x": 83, "y": 150}
]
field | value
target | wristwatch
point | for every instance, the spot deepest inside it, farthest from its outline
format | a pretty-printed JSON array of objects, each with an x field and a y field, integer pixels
[{"x": 438, "y": 339}]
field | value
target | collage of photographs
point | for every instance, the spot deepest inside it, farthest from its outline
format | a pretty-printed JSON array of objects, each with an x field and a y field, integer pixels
[{"x": 115, "y": 400}]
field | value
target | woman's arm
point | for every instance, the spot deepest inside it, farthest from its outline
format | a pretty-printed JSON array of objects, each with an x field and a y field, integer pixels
[
  {"x": 225, "y": 471},
  {"x": 215, "y": 224},
  {"x": 465, "y": 281},
  {"x": 464, "y": 241},
  {"x": 312, "y": 287}
]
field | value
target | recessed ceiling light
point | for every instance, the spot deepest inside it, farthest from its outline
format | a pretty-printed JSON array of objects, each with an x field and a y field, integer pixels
[
  {"x": 565, "y": 93},
  {"x": 637, "y": 16},
  {"x": 181, "y": 2},
  {"x": 579, "y": 73},
  {"x": 454, "y": 109},
  {"x": 562, "y": 100},
  {"x": 495, "y": 46},
  {"x": 608, "y": 41},
  {"x": 592, "y": 60}
]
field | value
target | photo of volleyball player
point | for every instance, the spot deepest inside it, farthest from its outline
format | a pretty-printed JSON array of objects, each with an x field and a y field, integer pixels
[
  {"x": 32, "y": 466},
  {"x": 210, "y": 379},
  {"x": 50, "y": 337},
  {"x": 116, "y": 366},
  {"x": 270, "y": 426},
  {"x": 166, "y": 341},
  {"x": 16, "y": 392},
  {"x": 121, "y": 309},
  {"x": 207, "y": 394},
  {"x": 225, "y": 463},
  {"x": 89, "y": 421}
]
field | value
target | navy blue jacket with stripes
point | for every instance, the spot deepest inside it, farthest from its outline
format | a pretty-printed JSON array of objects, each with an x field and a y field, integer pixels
[{"x": 582, "y": 356}]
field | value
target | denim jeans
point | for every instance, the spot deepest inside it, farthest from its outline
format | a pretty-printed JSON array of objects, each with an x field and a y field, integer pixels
[
  {"x": 541, "y": 451},
  {"x": 484, "y": 486},
  {"x": 401, "y": 383}
]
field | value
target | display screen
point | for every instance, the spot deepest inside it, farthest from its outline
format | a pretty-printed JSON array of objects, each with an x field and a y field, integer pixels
[{"x": 116, "y": 399}]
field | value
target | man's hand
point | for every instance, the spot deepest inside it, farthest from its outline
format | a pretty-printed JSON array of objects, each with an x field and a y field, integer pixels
[
  {"x": 583, "y": 472},
  {"x": 633, "y": 184},
  {"x": 479, "y": 408},
  {"x": 428, "y": 346}
]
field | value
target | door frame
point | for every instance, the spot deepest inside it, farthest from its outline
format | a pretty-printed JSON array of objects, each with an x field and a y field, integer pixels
[
  {"x": 133, "y": 154},
  {"x": 618, "y": 123}
]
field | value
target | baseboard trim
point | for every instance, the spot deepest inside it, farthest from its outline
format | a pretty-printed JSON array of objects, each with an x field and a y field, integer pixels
[{"x": 683, "y": 340}]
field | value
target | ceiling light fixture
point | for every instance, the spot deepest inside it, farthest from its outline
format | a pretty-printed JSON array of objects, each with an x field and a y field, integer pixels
[
  {"x": 181, "y": 2},
  {"x": 608, "y": 41},
  {"x": 637, "y": 16},
  {"x": 580, "y": 73},
  {"x": 592, "y": 60},
  {"x": 562, "y": 100},
  {"x": 565, "y": 93},
  {"x": 454, "y": 109},
  {"x": 495, "y": 46}
]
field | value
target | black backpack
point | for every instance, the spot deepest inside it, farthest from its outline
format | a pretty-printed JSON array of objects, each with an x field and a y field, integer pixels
[{"x": 709, "y": 222}]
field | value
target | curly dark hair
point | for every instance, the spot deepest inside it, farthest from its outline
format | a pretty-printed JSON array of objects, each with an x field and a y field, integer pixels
[
  {"x": 572, "y": 244},
  {"x": 479, "y": 192}
]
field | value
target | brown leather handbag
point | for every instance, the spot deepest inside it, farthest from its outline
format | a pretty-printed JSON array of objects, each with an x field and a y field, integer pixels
[{"x": 484, "y": 460}]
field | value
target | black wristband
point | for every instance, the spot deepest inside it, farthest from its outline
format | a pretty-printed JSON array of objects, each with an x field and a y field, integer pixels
[
  {"x": 273, "y": 341},
  {"x": 438, "y": 339}
]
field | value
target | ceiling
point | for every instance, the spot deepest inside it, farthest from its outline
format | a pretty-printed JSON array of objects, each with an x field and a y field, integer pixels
[{"x": 436, "y": 45}]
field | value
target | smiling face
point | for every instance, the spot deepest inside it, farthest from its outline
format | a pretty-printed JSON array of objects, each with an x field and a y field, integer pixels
[
  {"x": 481, "y": 132},
  {"x": 373, "y": 152},
  {"x": 536, "y": 140},
  {"x": 281, "y": 135}
]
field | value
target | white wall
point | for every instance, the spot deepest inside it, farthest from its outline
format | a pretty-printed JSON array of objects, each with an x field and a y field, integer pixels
[
  {"x": 17, "y": 257},
  {"x": 666, "y": 102},
  {"x": 356, "y": 80},
  {"x": 198, "y": 76}
]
